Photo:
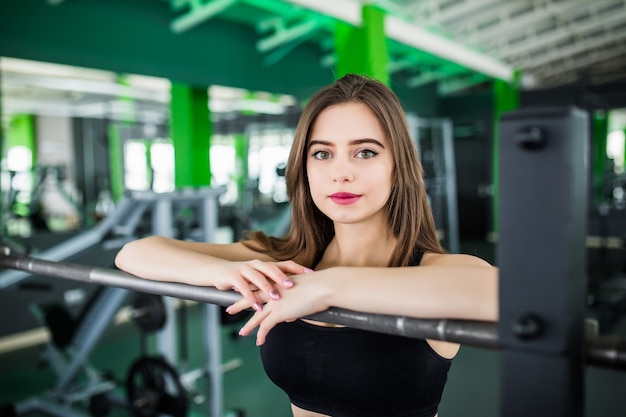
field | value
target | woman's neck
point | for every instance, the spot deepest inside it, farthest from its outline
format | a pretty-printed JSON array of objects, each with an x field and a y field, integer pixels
[{"x": 359, "y": 245}]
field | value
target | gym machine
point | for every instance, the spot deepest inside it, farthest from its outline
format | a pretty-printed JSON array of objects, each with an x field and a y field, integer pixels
[{"x": 168, "y": 394}]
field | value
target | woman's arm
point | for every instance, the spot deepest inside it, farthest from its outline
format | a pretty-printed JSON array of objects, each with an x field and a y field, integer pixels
[
  {"x": 223, "y": 266},
  {"x": 443, "y": 286}
]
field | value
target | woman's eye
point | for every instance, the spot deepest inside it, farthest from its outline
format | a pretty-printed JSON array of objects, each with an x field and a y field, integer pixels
[
  {"x": 366, "y": 154},
  {"x": 321, "y": 155}
]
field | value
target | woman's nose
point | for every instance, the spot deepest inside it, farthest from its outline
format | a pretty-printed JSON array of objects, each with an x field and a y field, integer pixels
[{"x": 342, "y": 171}]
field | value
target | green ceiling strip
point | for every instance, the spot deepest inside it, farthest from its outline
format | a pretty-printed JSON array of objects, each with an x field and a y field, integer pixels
[
  {"x": 287, "y": 39},
  {"x": 190, "y": 128},
  {"x": 285, "y": 34},
  {"x": 198, "y": 13}
]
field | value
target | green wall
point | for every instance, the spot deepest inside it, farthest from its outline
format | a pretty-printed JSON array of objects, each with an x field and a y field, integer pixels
[{"x": 133, "y": 36}]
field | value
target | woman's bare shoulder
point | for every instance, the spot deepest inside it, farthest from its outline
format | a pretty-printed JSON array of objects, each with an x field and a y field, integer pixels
[{"x": 431, "y": 258}]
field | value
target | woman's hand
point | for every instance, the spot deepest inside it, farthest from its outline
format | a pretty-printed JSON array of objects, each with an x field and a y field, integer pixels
[
  {"x": 307, "y": 296},
  {"x": 252, "y": 278}
]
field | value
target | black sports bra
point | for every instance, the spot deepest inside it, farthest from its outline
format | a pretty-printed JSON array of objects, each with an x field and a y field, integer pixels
[{"x": 345, "y": 372}]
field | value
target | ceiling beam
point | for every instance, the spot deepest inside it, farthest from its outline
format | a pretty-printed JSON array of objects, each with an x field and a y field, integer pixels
[
  {"x": 514, "y": 23},
  {"x": 421, "y": 39},
  {"x": 284, "y": 34},
  {"x": 456, "y": 85},
  {"x": 592, "y": 58},
  {"x": 558, "y": 54},
  {"x": 346, "y": 10},
  {"x": 457, "y": 10},
  {"x": 426, "y": 78},
  {"x": 198, "y": 13},
  {"x": 86, "y": 87},
  {"x": 416, "y": 37},
  {"x": 559, "y": 34}
]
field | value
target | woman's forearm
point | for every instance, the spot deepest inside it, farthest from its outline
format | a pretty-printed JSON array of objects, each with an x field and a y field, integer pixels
[
  {"x": 223, "y": 266},
  {"x": 438, "y": 291},
  {"x": 164, "y": 259}
]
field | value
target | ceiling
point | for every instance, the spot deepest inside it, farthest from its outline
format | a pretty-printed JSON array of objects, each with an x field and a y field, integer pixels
[
  {"x": 460, "y": 44},
  {"x": 548, "y": 42},
  {"x": 551, "y": 42}
]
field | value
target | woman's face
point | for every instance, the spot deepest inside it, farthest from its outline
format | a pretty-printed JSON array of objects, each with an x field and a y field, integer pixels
[{"x": 349, "y": 164}]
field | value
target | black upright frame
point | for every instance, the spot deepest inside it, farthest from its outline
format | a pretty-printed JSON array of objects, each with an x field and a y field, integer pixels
[{"x": 543, "y": 167}]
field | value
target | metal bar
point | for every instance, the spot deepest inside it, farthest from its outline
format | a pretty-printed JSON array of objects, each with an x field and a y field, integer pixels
[
  {"x": 601, "y": 351},
  {"x": 75, "y": 244}
]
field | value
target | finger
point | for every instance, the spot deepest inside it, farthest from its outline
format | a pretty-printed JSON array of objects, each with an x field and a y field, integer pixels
[
  {"x": 264, "y": 328},
  {"x": 277, "y": 272},
  {"x": 263, "y": 274},
  {"x": 252, "y": 287},
  {"x": 242, "y": 304},
  {"x": 294, "y": 268},
  {"x": 252, "y": 323},
  {"x": 257, "y": 282},
  {"x": 238, "y": 306},
  {"x": 250, "y": 297}
]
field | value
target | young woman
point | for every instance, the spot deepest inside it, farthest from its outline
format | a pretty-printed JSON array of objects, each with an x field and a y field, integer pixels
[{"x": 362, "y": 238}]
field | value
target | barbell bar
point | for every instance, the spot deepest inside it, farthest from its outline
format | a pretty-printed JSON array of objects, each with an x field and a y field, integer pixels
[{"x": 601, "y": 351}]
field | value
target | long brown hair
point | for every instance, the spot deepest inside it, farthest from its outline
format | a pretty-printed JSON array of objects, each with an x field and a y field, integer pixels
[{"x": 408, "y": 212}]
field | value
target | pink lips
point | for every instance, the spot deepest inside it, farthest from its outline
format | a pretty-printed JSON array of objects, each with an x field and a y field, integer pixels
[{"x": 344, "y": 198}]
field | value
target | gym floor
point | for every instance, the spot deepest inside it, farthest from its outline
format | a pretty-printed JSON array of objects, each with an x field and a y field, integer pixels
[{"x": 472, "y": 389}]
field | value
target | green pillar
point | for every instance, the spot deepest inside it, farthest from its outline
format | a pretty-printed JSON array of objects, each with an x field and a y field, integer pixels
[
  {"x": 22, "y": 132},
  {"x": 190, "y": 128},
  {"x": 600, "y": 158},
  {"x": 148, "y": 144},
  {"x": 505, "y": 98},
  {"x": 116, "y": 162},
  {"x": 363, "y": 50}
]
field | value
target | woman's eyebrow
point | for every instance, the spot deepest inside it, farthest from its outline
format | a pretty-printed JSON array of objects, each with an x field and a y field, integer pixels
[
  {"x": 366, "y": 140},
  {"x": 319, "y": 142},
  {"x": 352, "y": 142}
]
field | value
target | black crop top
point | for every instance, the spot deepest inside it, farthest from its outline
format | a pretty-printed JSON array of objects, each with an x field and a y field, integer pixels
[{"x": 345, "y": 372}]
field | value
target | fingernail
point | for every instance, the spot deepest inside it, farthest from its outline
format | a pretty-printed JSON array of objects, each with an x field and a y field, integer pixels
[
  {"x": 274, "y": 295},
  {"x": 257, "y": 307},
  {"x": 241, "y": 333},
  {"x": 308, "y": 270},
  {"x": 288, "y": 283},
  {"x": 229, "y": 309},
  {"x": 258, "y": 343}
]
